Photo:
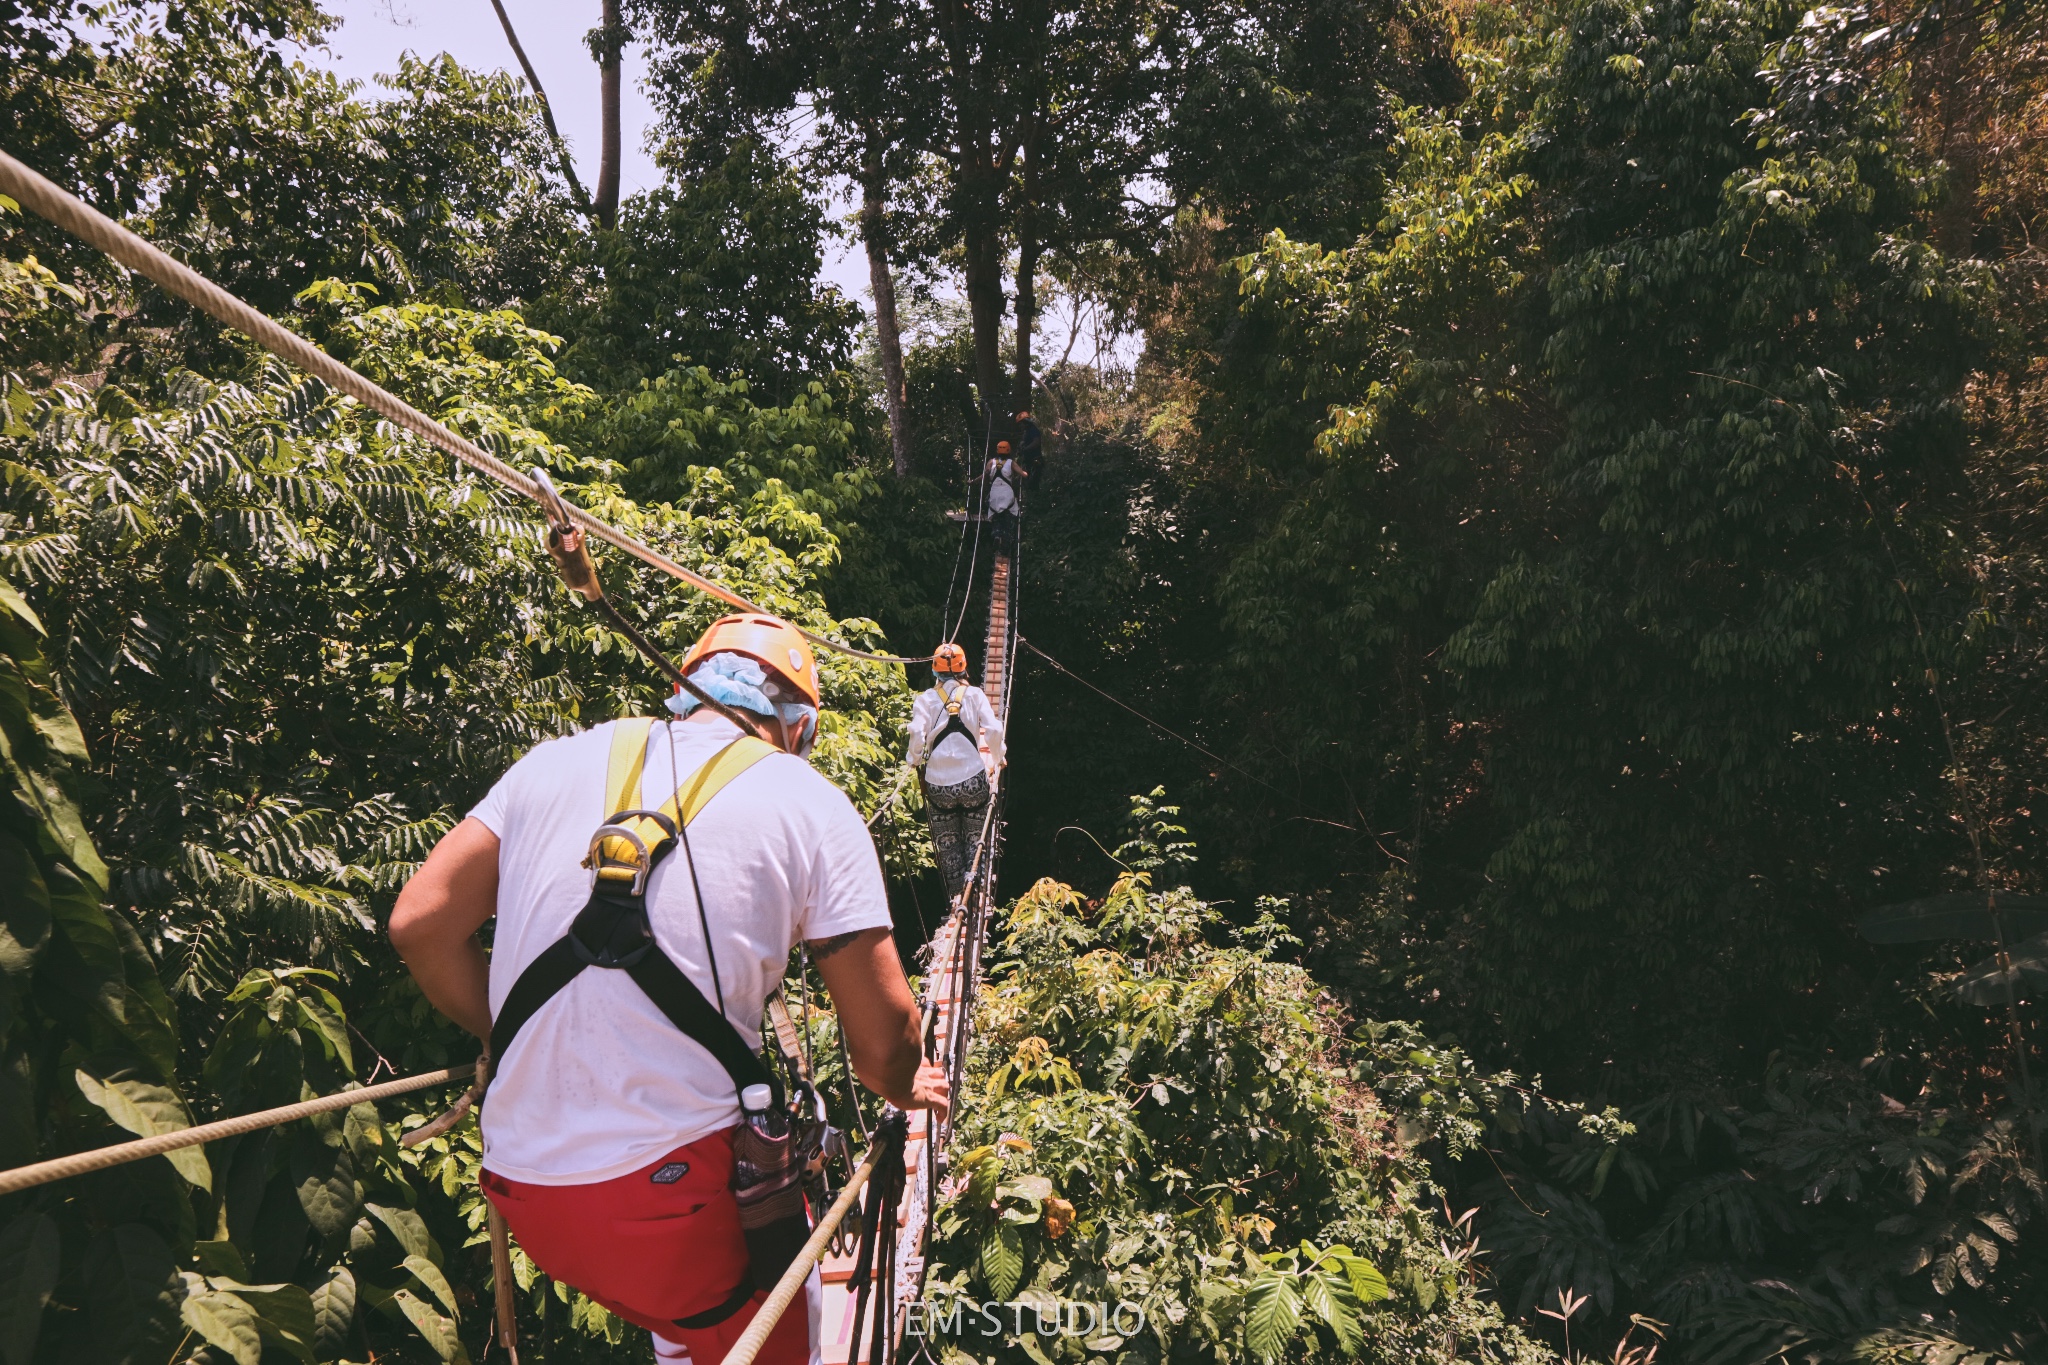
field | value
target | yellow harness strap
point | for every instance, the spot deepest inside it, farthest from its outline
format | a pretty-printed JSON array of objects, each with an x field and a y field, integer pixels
[{"x": 616, "y": 856}]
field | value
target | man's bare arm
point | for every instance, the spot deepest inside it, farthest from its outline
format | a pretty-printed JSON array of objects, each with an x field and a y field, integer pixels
[
  {"x": 434, "y": 924},
  {"x": 879, "y": 1018}
]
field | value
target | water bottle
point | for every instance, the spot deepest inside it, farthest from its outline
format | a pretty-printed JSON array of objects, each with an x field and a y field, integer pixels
[{"x": 767, "y": 1181}]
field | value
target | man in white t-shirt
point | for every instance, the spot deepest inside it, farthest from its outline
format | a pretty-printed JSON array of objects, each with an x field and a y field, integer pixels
[
  {"x": 956, "y": 744},
  {"x": 607, "y": 1131}
]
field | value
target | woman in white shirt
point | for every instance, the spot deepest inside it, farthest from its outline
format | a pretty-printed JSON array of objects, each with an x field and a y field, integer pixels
[
  {"x": 1003, "y": 505},
  {"x": 956, "y": 743}
]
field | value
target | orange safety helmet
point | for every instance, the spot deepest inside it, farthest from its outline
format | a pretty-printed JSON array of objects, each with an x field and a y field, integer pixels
[
  {"x": 949, "y": 658},
  {"x": 1002, "y": 447},
  {"x": 1023, "y": 416},
  {"x": 770, "y": 641}
]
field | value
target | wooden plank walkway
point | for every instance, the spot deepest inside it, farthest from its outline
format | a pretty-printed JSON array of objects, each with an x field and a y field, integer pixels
[
  {"x": 948, "y": 985},
  {"x": 947, "y": 979}
]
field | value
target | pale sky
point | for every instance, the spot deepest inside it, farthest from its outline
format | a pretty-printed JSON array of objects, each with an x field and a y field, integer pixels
[{"x": 374, "y": 32}]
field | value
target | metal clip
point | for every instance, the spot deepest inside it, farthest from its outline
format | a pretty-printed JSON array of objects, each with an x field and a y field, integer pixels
[
  {"x": 642, "y": 864},
  {"x": 551, "y": 503}
]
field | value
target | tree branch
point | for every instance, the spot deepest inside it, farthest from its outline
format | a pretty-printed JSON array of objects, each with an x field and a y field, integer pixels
[{"x": 547, "y": 113}]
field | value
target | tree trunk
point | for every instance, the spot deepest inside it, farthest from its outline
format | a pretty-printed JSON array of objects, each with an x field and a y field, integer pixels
[
  {"x": 1027, "y": 290},
  {"x": 547, "y": 113},
  {"x": 612, "y": 39},
  {"x": 888, "y": 337},
  {"x": 978, "y": 175},
  {"x": 984, "y": 253}
]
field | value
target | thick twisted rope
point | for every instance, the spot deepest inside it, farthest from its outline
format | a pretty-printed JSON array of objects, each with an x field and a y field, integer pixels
[
  {"x": 779, "y": 1298},
  {"x": 79, "y": 1163},
  {"x": 67, "y": 211}
]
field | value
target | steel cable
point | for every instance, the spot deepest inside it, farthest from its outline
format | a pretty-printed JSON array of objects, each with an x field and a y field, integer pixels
[
  {"x": 67, "y": 211},
  {"x": 43, "y": 197}
]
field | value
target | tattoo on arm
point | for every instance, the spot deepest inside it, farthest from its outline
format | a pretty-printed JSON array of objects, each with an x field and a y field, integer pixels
[{"x": 822, "y": 948}]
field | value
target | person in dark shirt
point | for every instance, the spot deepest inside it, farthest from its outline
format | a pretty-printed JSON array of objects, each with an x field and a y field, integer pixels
[{"x": 1030, "y": 448}]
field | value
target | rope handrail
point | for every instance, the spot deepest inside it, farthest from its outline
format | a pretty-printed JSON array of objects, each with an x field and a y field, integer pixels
[
  {"x": 902, "y": 782},
  {"x": 100, "y": 1158},
  {"x": 779, "y": 1298},
  {"x": 49, "y": 200}
]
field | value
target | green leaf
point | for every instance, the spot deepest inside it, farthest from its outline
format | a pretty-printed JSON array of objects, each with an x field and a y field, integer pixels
[
  {"x": 93, "y": 971},
  {"x": 129, "y": 1279},
  {"x": 283, "y": 1313},
  {"x": 438, "y": 1332},
  {"x": 429, "y": 1274},
  {"x": 222, "y": 1258},
  {"x": 409, "y": 1228},
  {"x": 324, "y": 1179},
  {"x": 1272, "y": 1316},
  {"x": 29, "y": 1252},
  {"x": 1960, "y": 914},
  {"x": 25, "y": 912},
  {"x": 1315, "y": 1296},
  {"x": 147, "y": 1110},
  {"x": 324, "y": 1012},
  {"x": 981, "y": 1185},
  {"x": 334, "y": 1310},
  {"x": 225, "y": 1322},
  {"x": 152, "y": 1022},
  {"x": 1328, "y": 1295},
  {"x": 1989, "y": 985},
  {"x": 1367, "y": 1284},
  {"x": 1002, "y": 1258}
]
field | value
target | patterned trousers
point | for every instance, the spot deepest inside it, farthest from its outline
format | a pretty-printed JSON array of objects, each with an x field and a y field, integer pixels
[{"x": 956, "y": 813}]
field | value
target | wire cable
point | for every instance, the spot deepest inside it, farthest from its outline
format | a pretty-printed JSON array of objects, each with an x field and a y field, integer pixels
[
  {"x": 960, "y": 550},
  {"x": 973, "y": 559},
  {"x": 48, "y": 200},
  {"x": 1174, "y": 734}
]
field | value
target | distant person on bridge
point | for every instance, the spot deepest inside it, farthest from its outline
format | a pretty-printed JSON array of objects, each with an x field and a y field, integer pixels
[
  {"x": 610, "y": 1125},
  {"x": 1003, "y": 501},
  {"x": 956, "y": 743},
  {"x": 1030, "y": 449}
]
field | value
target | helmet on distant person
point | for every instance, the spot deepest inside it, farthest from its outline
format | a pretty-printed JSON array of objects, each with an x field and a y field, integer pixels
[
  {"x": 1023, "y": 416},
  {"x": 1002, "y": 447},
  {"x": 950, "y": 659},
  {"x": 770, "y": 641}
]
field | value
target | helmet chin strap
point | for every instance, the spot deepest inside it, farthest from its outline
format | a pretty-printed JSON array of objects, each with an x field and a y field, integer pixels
[{"x": 778, "y": 733}]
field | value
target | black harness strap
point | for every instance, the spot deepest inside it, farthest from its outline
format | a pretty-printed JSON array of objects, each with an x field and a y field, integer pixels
[
  {"x": 547, "y": 974},
  {"x": 954, "y": 725},
  {"x": 676, "y": 996},
  {"x": 711, "y": 1317},
  {"x": 612, "y": 931}
]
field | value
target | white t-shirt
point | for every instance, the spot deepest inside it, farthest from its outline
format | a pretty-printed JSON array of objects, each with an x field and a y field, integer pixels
[
  {"x": 598, "y": 1082},
  {"x": 956, "y": 758}
]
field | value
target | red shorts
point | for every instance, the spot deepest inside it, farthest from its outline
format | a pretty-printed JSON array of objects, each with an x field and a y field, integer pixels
[{"x": 658, "y": 1247}]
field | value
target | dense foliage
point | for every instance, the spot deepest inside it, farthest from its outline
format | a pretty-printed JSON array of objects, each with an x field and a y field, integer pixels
[
  {"x": 1295, "y": 1227},
  {"x": 297, "y": 646},
  {"x": 1572, "y": 537}
]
